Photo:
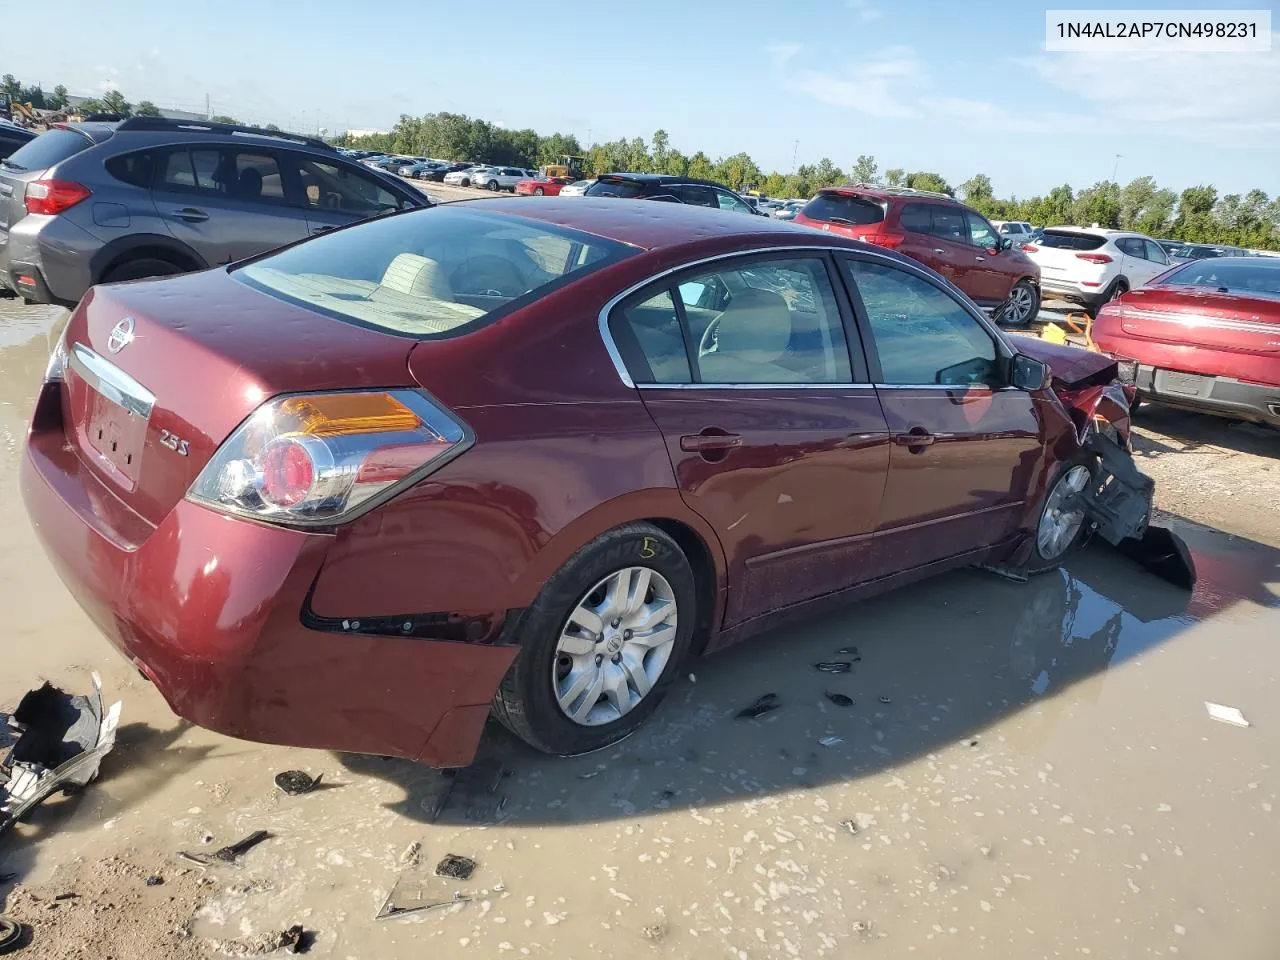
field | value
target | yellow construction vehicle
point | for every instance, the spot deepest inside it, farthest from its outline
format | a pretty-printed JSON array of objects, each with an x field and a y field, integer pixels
[{"x": 567, "y": 166}]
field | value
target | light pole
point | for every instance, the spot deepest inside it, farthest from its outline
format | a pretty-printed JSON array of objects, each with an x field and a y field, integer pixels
[
  {"x": 1115, "y": 167},
  {"x": 795, "y": 153}
]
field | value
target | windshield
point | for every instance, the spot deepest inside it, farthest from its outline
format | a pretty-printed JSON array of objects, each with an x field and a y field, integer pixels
[
  {"x": 838, "y": 208},
  {"x": 629, "y": 189},
  {"x": 1250, "y": 276},
  {"x": 431, "y": 274},
  {"x": 49, "y": 148}
]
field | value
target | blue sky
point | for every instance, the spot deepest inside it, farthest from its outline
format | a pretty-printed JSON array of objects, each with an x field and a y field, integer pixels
[{"x": 954, "y": 87}]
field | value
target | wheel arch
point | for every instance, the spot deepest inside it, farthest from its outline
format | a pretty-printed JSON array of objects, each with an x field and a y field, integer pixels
[{"x": 151, "y": 245}]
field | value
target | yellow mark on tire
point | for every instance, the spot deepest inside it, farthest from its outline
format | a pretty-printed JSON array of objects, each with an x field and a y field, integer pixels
[{"x": 646, "y": 550}]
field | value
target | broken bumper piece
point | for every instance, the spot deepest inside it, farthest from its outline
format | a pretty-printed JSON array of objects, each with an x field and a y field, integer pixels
[
  {"x": 60, "y": 742},
  {"x": 1119, "y": 505}
]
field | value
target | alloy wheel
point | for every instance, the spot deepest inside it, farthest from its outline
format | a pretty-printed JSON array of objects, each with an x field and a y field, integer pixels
[
  {"x": 614, "y": 646},
  {"x": 1060, "y": 520},
  {"x": 1018, "y": 310}
]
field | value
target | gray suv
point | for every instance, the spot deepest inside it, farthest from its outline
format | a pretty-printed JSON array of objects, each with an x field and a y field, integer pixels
[{"x": 97, "y": 202}]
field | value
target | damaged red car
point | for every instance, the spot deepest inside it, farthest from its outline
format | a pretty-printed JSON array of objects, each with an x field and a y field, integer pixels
[{"x": 361, "y": 492}]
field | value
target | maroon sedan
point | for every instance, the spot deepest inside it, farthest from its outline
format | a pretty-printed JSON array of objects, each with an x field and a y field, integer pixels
[
  {"x": 1204, "y": 336},
  {"x": 356, "y": 493}
]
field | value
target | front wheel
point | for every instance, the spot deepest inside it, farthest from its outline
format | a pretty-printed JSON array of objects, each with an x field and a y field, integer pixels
[
  {"x": 493, "y": 185},
  {"x": 601, "y": 643},
  {"x": 1062, "y": 523},
  {"x": 1022, "y": 306},
  {"x": 538, "y": 191}
]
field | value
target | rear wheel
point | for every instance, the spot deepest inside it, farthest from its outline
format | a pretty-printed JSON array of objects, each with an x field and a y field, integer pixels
[
  {"x": 538, "y": 191},
  {"x": 1062, "y": 524},
  {"x": 139, "y": 269},
  {"x": 1022, "y": 306},
  {"x": 601, "y": 644},
  {"x": 1118, "y": 289},
  {"x": 493, "y": 185}
]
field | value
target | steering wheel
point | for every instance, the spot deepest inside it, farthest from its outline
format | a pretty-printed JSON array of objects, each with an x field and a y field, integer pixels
[
  {"x": 489, "y": 276},
  {"x": 710, "y": 340}
]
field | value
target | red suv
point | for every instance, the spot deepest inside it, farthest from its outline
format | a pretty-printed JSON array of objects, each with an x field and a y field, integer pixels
[{"x": 941, "y": 233}]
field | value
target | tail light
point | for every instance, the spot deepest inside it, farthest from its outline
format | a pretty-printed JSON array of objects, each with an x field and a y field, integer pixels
[
  {"x": 1030, "y": 248},
  {"x": 316, "y": 459},
  {"x": 1094, "y": 257},
  {"x": 52, "y": 197},
  {"x": 890, "y": 240}
]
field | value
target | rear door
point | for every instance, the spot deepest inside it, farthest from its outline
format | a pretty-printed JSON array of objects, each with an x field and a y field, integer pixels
[
  {"x": 227, "y": 203},
  {"x": 335, "y": 194},
  {"x": 947, "y": 246},
  {"x": 966, "y": 447},
  {"x": 776, "y": 438}
]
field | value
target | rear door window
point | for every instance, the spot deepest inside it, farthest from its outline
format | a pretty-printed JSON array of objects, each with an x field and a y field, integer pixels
[
  {"x": 615, "y": 188},
  {"x": 136, "y": 169},
  {"x": 1132, "y": 247},
  {"x": 695, "y": 194},
  {"x": 1071, "y": 240},
  {"x": 948, "y": 223},
  {"x": 650, "y": 339},
  {"x": 916, "y": 218},
  {"x": 49, "y": 148},
  {"x": 839, "y": 208}
]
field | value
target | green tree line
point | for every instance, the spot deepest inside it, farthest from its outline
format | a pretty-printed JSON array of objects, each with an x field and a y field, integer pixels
[{"x": 1198, "y": 215}]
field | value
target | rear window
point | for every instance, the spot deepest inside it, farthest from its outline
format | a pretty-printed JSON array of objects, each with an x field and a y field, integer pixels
[
  {"x": 52, "y": 146},
  {"x": 1230, "y": 275},
  {"x": 628, "y": 189},
  {"x": 838, "y": 208},
  {"x": 431, "y": 273},
  {"x": 1071, "y": 240}
]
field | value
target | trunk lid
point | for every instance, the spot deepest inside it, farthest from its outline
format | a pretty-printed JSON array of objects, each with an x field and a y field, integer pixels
[
  {"x": 191, "y": 358},
  {"x": 1202, "y": 316}
]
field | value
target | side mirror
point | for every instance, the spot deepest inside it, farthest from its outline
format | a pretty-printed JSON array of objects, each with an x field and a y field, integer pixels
[
  {"x": 1028, "y": 374},
  {"x": 1006, "y": 243}
]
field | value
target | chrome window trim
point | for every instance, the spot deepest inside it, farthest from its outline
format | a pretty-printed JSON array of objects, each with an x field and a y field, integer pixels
[
  {"x": 1002, "y": 345},
  {"x": 112, "y": 382}
]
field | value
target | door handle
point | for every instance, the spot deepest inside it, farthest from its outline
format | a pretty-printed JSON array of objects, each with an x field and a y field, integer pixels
[
  {"x": 980, "y": 259},
  {"x": 191, "y": 215},
  {"x": 702, "y": 442},
  {"x": 938, "y": 251},
  {"x": 915, "y": 439}
]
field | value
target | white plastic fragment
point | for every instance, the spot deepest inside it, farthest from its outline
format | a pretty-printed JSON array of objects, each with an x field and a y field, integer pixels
[
  {"x": 1226, "y": 714},
  {"x": 831, "y": 741}
]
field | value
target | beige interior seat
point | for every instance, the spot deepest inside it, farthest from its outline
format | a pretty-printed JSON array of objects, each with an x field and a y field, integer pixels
[
  {"x": 417, "y": 276},
  {"x": 753, "y": 337}
]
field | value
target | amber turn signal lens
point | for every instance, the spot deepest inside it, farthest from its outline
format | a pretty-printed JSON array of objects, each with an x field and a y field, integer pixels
[{"x": 340, "y": 414}]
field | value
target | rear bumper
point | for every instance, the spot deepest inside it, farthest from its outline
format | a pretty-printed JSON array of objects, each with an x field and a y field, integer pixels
[
  {"x": 47, "y": 260},
  {"x": 1073, "y": 293},
  {"x": 1223, "y": 396},
  {"x": 209, "y": 608}
]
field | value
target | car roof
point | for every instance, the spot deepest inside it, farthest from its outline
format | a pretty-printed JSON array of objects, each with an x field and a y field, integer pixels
[
  {"x": 1101, "y": 231},
  {"x": 658, "y": 178},
  {"x": 890, "y": 193},
  {"x": 649, "y": 225}
]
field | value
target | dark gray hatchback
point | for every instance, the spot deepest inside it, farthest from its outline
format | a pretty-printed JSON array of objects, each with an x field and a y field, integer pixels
[{"x": 98, "y": 202}]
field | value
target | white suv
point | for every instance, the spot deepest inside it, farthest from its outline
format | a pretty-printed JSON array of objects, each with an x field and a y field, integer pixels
[
  {"x": 1019, "y": 231},
  {"x": 501, "y": 178},
  {"x": 1089, "y": 265}
]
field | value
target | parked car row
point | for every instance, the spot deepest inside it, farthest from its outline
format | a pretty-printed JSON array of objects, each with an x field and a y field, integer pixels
[{"x": 97, "y": 202}]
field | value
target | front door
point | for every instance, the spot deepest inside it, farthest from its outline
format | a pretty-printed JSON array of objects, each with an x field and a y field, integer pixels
[
  {"x": 966, "y": 447},
  {"x": 335, "y": 194},
  {"x": 991, "y": 277},
  {"x": 776, "y": 439},
  {"x": 226, "y": 203}
]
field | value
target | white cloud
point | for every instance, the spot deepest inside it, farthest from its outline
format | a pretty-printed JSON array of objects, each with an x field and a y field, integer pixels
[
  {"x": 1198, "y": 96},
  {"x": 865, "y": 11},
  {"x": 885, "y": 85}
]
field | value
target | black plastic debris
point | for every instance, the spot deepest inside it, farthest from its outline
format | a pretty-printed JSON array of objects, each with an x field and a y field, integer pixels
[
  {"x": 885, "y": 700},
  {"x": 155, "y": 880},
  {"x": 60, "y": 741},
  {"x": 455, "y": 867},
  {"x": 839, "y": 699},
  {"x": 762, "y": 706},
  {"x": 851, "y": 825},
  {"x": 833, "y": 666},
  {"x": 295, "y": 782},
  {"x": 1163, "y": 553},
  {"x": 229, "y": 853}
]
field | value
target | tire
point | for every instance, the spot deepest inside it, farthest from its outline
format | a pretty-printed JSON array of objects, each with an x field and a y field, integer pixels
[
  {"x": 528, "y": 703},
  {"x": 464, "y": 182},
  {"x": 1118, "y": 289},
  {"x": 1050, "y": 556},
  {"x": 1022, "y": 305},
  {"x": 493, "y": 185},
  {"x": 140, "y": 269},
  {"x": 538, "y": 192}
]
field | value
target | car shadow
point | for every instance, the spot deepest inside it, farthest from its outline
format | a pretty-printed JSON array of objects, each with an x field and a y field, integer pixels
[
  {"x": 1199, "y": 430},
  {"x": 935, "y": 665}
]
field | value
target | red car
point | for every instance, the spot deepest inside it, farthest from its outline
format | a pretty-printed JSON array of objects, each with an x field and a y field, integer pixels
[
  {"x": 540, "y": 186},
  {"x": 942, "y": 233},
  {"x": 358, "y": 492},
  {"x": 1204, "y": 336}
]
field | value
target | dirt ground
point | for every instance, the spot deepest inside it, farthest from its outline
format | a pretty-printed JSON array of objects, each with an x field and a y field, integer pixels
[{"x": 1027, "y": 770}]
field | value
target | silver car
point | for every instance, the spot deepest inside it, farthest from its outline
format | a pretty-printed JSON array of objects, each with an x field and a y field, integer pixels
[
  {"x": 502, "y": 178},
  {"x": 465, "y": 178},
  {"x": 576, "y": 189},
  {"x": 417, "y": 170}
]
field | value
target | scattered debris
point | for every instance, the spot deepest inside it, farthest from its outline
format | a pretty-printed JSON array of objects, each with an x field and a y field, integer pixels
[
  {"x": 154, "y": 880},
  {"x": 654, "y": 931},
  {"x": 227, "y": 854},
  {"x": 472, "y": 791},
  {"x": 10, "y": 934},
  {"x": 762, "y": 706},
  {"x": 847, "y": 652},
  {"x": 413, "y": 893},
  {"x": 972, "y": 742},
  {"x": 292, "y": 940},
  {"x": 589, "y": 774},
  {"x": 69, "y": 895},
  {"x": 1016, "y": 574},
  {"x": 295, "y": 782},
  {"x": 412, "y": 854},
  {"x": 861, "y": 926},
  {"x": 886, "y": 700},
  {"x": 831, "y": 741},
  {"x": 61, "y": 742},
  {"x": 1229, "y": 715},
  {"x": 851, "y": 825},
  {"x": 839, "y": 699},
  {"x": 454, "y": 867},
  {"x": 833, "y": 666}
]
